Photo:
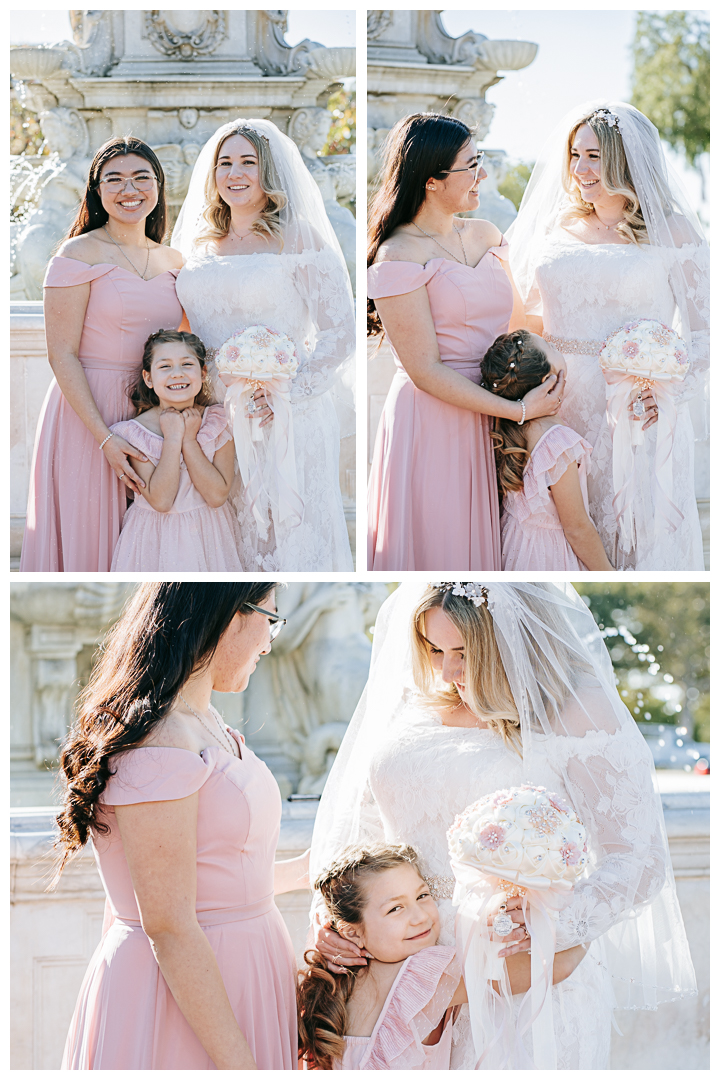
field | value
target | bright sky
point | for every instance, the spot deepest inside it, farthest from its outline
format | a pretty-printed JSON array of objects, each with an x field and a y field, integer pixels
[{"x": 326, "y": 27}]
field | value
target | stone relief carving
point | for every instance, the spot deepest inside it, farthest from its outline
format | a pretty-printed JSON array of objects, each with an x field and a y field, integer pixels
[
  {"x": 177, "y": 160},
  {"x": 377, "y": 23},
  {"x": 272, "y": 52},
  {"x": 477, "y": 114},
  {"x": 183, "y": 42}
]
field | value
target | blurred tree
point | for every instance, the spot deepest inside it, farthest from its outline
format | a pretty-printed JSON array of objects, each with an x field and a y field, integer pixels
[
  {"x": 659, "y": 640},
  {"x": 514, "y": 183},
  {"x": 671, "y": 79},
  {"x": 341, "y": 137}
]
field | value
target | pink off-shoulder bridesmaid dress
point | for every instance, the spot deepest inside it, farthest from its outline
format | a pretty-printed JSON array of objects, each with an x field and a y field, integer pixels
[
  {"x": 432, "y": 496},
  {"x": 126, "y": 1017},
  {"x": 76, "y": 503}
]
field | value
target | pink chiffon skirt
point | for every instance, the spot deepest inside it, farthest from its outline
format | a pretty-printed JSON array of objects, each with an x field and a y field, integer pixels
[{"x": 432, "y": 497}]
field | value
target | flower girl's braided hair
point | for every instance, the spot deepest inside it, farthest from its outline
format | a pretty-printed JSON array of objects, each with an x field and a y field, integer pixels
[
  {"x": 322, "y": 995},
  {"x": 510, "y": 368}
]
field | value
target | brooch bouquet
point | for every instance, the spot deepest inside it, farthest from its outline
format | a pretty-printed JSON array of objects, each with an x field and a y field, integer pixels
[
  {"x": 641, "y": 355},
  {"x": 252, "y": 359},
  {"x": 526, "y": 842}
]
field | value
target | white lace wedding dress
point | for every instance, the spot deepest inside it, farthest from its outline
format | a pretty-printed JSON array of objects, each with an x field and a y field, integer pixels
[
  {"x": 426, "y": 774},
  {"x": 586, "y": 292},
  {"x": 304, "y": 296}
]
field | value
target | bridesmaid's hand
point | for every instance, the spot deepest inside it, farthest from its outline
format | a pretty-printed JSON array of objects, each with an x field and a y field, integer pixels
[
  {"x": 338, "y": 951},
  {"x": 262, "y": 410},
  {"x": 117, "y": 452},
  {"x": 546, "y": 399},
  {"x": 651, "y": 409}
]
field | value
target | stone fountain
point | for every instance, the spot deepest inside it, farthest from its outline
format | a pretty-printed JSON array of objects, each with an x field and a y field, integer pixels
[{"x": 170, "y": 78}]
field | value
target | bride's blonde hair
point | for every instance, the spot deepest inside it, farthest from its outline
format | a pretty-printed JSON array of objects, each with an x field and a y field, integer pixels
[
  {"x": 487, "y": 689},
  {"x": 615, "y": 176},
  {"x": 217, "y": 212}
]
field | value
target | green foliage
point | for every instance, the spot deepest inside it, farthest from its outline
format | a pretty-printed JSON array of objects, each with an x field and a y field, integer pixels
[
  {"x": 659, "y": 640},
  {"x": 671, "y": 80},
  {"x": 341, "y": 137},
  {"x": 514, "y": 183}
]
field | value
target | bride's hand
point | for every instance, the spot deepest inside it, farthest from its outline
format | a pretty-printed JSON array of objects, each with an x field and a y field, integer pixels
[
  {"x": 651, "y": 409},
  {"x": 338, "y": 951},
  {"x": 262, "y": 410},
  {"x": 545, "y": 399},
  {"x": 518, "y": 940}
]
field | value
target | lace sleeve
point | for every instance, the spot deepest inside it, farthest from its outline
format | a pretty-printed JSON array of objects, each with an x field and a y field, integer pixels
[
  {"x": 322, "y": 282},
  {"x": 609, "y": 779},
  {"x": 689, "y": 276}
]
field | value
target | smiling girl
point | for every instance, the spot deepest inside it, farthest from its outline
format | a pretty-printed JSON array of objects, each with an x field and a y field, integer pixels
[{"x": 182, "y": 520}]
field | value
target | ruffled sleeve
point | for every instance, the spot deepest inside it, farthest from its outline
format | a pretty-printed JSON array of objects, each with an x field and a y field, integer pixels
[
  {"x": 62, "y": 273},
  {"x": 397, "y": 278},
  {"x": 418, "y": 1000},
  {"x": 138, "y": 436},
  {"x": 553, "y": 453},
  {"x": 154, "y": 774},
  {"x": 214, "y": 431}
]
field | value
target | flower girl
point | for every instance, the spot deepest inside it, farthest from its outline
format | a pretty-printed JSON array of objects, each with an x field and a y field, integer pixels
[
  {"x": 398, "y": 1012},
  {"x": 542, "y": 467},
  {"x": 182, "y": 520}
]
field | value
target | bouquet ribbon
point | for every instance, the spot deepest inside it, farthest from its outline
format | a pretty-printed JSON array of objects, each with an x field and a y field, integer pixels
[
  {"x": 283, "y": 496},
  {"x": 497, "y": 1033},
  {"x": 621, "y": 389}
]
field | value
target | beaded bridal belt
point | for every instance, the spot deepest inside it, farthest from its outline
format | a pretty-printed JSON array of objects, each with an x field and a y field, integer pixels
[
  {"x": 575, "y": 345},
  {"x": 442, "y": 888}
]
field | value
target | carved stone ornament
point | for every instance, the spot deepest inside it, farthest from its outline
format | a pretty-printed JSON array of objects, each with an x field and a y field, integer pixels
[
  {"x": 377, "y": 23},
  {"x": 185, "y": 44}
]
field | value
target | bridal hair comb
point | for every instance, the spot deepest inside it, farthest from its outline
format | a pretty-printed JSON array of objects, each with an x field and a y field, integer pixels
[
  {"x": 249, "y": 127},
  {"x": 469, "y": 590},
  {"x": 607, "y": 116}
]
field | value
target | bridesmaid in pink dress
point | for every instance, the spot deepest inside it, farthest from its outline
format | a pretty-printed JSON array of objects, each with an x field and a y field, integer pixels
[
  {"x": 195, "y": 969},
  {"x": 109, "y": 288},
  {"x": 440, "y": 288}
]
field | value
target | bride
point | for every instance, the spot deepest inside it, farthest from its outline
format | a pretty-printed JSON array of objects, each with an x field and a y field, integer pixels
[
  {"x": 605, "y": 237},
  {"x": 261, "y": 251},
  {"x": 474, "y": 688}
]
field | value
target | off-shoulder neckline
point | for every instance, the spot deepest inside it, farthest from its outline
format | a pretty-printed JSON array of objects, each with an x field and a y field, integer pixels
[
  {"x": 423, "y": 266},
  {"x": 146, "y": 281}
]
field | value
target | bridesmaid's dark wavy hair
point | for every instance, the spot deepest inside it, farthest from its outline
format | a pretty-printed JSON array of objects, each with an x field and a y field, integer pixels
[
  {"x": 142, "y": 396},
  {"x": 512, "y": 367},
  {"x": 92, "y": 214},
  {"x": 167, "y": 631},
  {"x": 322, "y": 995},
  {"x": 420, "y": 146}
]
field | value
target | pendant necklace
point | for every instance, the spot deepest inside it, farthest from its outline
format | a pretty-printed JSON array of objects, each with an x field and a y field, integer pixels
[
  {"x": 224, "y": 733},
  {"x": 435, "y": 239},
  {"x": 127, "y": 257}
]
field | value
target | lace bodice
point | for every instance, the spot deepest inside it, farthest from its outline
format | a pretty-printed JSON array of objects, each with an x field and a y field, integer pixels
[{"x": 302, "y": 295}]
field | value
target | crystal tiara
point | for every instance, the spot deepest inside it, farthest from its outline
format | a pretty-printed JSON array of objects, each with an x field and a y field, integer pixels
[{"x": 469, "y": 590}]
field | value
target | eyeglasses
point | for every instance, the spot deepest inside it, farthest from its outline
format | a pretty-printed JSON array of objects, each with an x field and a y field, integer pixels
[
  {"x": 476, "y": 167},
  {"x": 276, "y": 623},
  {"x": 144, "y": 182}
]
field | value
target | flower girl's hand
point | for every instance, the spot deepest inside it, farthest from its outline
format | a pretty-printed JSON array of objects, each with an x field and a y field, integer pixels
[
  {"x": 651, "y": 409},
  {"x": 545, "y": 399},
  {"x": 172, "y": 423},
  {"x": 193, "y": 420},
  {"x": 518, "y": 940},
  {"x": 261, "y": 410},
  {"x": 338, "y": 951}
]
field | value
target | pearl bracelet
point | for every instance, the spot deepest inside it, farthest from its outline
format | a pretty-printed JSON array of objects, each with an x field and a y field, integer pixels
[
  {"x": 521, "y": 422},
  {"x": 108, "y": 437}
]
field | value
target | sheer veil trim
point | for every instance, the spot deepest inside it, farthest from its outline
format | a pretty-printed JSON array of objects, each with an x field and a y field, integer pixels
[{"x": 575, "y": 726}]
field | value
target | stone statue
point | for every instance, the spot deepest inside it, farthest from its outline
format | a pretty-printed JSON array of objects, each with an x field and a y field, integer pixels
[
  {"x": 334, "y": 175},
  {"x": 302, "y": 696},
  {"x": 61, "y": 186}
]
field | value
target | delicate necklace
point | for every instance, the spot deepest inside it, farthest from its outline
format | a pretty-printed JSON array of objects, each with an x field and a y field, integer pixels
[
  {"x": 442, "y": 245},
  {"x": 127, "y": 257},
  {"x": 607, "y": 227},
  {"x": 224, "y": 733},
  {"x": 232, "y": 228}
]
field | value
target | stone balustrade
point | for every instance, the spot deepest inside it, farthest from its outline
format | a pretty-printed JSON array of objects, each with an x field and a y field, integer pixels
[{"x": 53, "y": 936}]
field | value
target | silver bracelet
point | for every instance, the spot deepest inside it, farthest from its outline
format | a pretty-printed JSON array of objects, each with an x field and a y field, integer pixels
[
  {"x": 521, "y": 422},
  {"x": 107, "y": 437}
]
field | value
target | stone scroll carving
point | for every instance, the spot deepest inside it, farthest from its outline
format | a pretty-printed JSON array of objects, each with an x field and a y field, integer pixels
[{"x": 188, "y": 41}]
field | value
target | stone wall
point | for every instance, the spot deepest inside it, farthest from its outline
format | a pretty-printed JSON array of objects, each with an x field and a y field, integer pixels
[{"x": 53, "y": 936}]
